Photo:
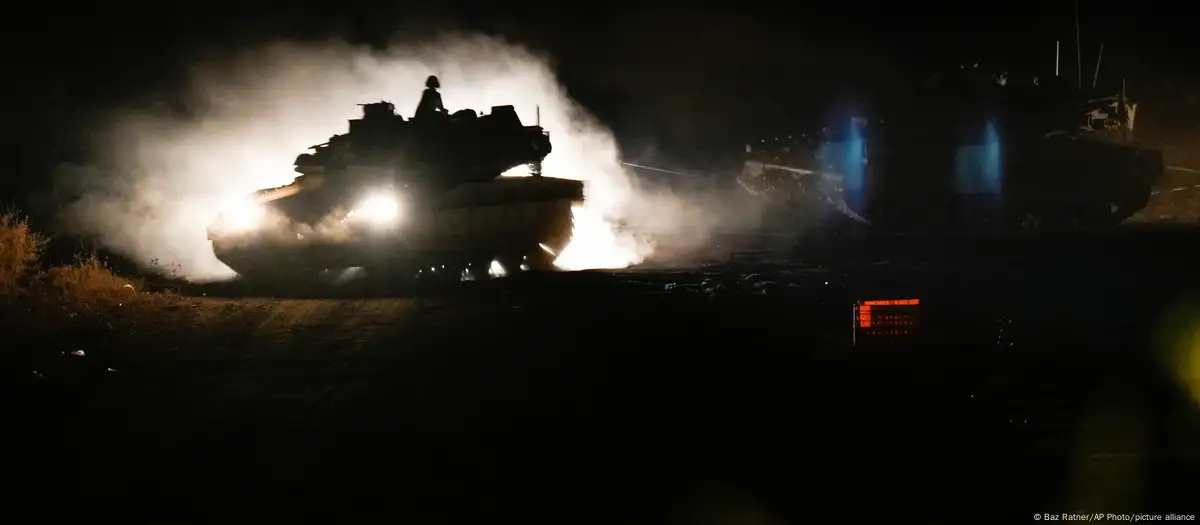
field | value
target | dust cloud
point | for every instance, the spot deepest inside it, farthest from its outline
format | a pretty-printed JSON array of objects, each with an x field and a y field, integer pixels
[{"x": 254, "y": 112}]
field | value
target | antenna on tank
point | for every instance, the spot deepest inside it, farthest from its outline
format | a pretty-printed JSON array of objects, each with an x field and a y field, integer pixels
[
  {"x": 1096, "y": 75},
  {"x": 1078, "y": 51},
  {"x": 1057, "y": 45},
  {"x": 1124, "y": 111},
  {"x": 538, "y": 115}
]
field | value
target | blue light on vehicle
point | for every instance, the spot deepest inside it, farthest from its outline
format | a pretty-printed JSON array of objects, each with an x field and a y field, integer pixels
[
  {"x": 978, "y": 168},
  {"x": 847, "y": 157},
  {"x": 854, "y": 171}
]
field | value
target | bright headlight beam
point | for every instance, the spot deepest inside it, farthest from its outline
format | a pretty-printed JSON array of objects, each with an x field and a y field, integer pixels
[
  {"x": 379, "y": 208},
  {"x": 243, "y": 216}
]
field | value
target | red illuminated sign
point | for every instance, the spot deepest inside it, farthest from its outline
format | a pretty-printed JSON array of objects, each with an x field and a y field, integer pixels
[{"x": 886, "y": 317}]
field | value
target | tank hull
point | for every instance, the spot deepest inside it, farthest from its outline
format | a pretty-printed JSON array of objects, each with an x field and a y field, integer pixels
[{"x": 521, "y": 223}]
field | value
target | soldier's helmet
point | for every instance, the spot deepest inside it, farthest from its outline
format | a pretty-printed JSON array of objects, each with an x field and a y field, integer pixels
[{"x": 432, "y": 82}]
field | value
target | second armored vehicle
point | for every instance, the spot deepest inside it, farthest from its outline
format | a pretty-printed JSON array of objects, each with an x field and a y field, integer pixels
[{"x": 968, "y": 153}]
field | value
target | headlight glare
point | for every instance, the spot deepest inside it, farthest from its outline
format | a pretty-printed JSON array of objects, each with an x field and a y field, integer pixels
[
  {"x": 379, "y": 208},
  {"x": 243, "y": 216}
]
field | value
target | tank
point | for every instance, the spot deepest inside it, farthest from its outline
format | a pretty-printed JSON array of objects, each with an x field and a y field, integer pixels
[
  {"x": 407, "y": 197},
  {"x": 970, "y": 152}
]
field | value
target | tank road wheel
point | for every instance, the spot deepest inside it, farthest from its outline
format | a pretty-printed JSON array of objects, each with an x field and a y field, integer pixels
[
  {"x": 437, "y": 273},
  {"x": 530, "y": 259},
  {"x": 478, "y": 269},
  {"x": 511, "y": 262}
]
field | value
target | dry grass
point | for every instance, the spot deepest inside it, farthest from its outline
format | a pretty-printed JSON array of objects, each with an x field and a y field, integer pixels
[
  {"x": 81, "y": 301},
  {"x": 20, "y": 250},
  {"x": 89, "y": 285}
]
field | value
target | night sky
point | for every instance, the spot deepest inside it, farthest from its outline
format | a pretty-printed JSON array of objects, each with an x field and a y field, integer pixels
[{"x": 690, "y": 82}]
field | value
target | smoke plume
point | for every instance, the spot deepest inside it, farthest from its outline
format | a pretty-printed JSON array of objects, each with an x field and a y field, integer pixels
[{"x": 253, "y": 113}]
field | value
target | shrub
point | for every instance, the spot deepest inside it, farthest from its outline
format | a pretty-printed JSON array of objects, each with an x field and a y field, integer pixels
[
  {"x": 89, "y": 285},
  {"x": 20, "y": 249}
]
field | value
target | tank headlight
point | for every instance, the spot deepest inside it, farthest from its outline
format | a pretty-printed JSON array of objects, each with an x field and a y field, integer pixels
[
  {"x": 244, "y": 216},
  {"x": 379, "y": 208}
]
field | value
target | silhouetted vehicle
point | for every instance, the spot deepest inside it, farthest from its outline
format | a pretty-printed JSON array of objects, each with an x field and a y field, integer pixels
[
  {"x": 401, "y": 197},
  {"x": 969, "y": 153}
]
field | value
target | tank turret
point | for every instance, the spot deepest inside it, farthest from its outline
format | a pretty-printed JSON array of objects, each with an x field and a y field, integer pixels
[{"x": 464, "y": 147}]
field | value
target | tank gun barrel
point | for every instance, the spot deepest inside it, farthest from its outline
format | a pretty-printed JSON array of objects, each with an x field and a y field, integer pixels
[{"x": 660, "y": 170}]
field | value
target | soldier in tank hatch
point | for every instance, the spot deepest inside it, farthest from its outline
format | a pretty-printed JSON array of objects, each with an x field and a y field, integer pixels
[{"x": 430, "y": 106}]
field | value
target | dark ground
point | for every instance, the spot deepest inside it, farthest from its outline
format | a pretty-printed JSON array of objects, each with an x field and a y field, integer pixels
[{"x": 731, "y": 393}]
